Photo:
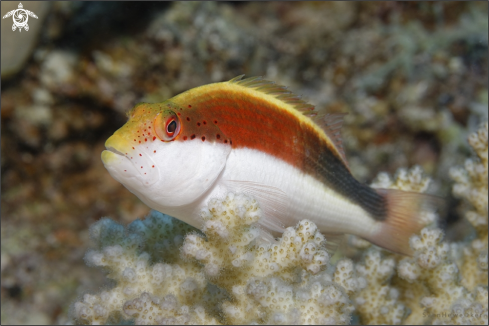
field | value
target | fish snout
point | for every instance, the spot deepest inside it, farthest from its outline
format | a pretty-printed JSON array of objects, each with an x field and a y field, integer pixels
[
  {"x": 125, "y": 161},
  {"x": 114, "y": 150}
]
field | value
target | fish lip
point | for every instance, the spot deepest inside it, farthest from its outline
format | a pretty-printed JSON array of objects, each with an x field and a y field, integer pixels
[{"x": 113, "y": 150}]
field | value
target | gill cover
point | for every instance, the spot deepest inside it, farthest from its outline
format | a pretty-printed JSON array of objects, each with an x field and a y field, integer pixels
[
  {"x": 187, "y": 167},
  {"x": 151, "y": 157},
  {"x": 186, "y": 171}
]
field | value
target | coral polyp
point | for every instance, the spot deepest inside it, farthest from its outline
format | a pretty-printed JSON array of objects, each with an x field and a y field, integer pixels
[{"x": 233, "y": 272}]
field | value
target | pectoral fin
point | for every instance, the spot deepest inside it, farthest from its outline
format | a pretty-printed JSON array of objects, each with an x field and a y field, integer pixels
[{"x": 273, "y": 201}]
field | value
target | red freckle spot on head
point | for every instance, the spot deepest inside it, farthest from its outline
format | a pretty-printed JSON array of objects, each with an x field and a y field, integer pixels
[
  {"x": 154, "y": 151},
  {"x": 153, "y": 166},
  {"x": 149, "y": 134},
  {"x": 144, "y": 172},
  {"x": 198, "y": 124},
  {"x": 179, "y": 113},
  {"x": 131, "y": 157},
  {"x": 149, "y": 127},
  {"x": 134, "y": 139},
  {"x": 218, "y": 136},
  {"x": 226, "y": 141},
  {"x": 154, "y": 137},
  {"x": 204, "y": 122},
  {"x": 192, "y": 137},
  {"x": 189, "y": 106},
  {"x": 133, "y": 148},
  {"x": 140, "y": 142},
  {"x": 125, "y": 170},
  {"x": 215, "y": 121},
  {"x": 188, "y": 119},
  {"x": 141, "y": 167},
  {"x": 203, "y": 138},
  {"x": 184, "y": 137},
  {"x": 140, "y": 155},
  {"x": 144, "y": 129},
  {"x": 138, "y": 130},
  {"x": 145, "y": 139}
]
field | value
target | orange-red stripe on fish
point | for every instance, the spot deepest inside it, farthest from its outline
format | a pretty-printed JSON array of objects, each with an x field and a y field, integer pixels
[
  {"x": 248, "y": 118},
  {"x": 263, "y": 118},
  {"x": 250, "y": 122}
]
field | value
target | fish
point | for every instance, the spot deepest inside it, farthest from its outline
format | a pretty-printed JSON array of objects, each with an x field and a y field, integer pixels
[{"x": 256, "y": 137}]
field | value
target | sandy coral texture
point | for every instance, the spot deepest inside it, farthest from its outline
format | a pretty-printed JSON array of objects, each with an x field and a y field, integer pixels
[
  {"x": 222, "y": 276},
  {"x": 412, "y": 76},
  {"x": 231, "y": 272}
]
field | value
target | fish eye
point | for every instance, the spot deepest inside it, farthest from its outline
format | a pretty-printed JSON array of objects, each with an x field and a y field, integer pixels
[
  {"x": 167, "y": 125},
  {"x": 171, "y": 127}
]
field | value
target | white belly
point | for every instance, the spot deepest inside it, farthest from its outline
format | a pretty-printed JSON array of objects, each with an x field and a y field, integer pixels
[{"x": 303, "y": 196}]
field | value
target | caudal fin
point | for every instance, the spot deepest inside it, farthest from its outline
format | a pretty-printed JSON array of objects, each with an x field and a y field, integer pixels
[{"x": 404, "y": 218}]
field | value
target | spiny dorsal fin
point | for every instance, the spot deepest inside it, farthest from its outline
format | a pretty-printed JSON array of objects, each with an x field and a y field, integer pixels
[
  {"x": 330, "y": 122},
  {"x": 278, "y": 91}
]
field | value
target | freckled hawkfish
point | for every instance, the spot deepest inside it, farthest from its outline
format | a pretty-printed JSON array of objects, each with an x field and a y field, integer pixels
[{"x": 253, "y": 136}]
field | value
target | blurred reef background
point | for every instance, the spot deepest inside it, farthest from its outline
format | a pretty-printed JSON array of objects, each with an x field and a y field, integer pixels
[{"x": 413, "y": 77}]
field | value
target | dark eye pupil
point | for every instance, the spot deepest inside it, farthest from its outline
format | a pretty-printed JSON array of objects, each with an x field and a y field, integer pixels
[{"x": 172, "y": 126}]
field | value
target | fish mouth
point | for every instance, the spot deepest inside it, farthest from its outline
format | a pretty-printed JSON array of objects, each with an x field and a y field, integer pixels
[
  {"x": 133, "y": 168},
  {"x": 113, "y": 150},
  {"x": 111, "y": 154}
]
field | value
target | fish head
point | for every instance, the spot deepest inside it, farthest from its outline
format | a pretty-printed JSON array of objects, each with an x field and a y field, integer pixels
[{"x": 157, "y": 156}]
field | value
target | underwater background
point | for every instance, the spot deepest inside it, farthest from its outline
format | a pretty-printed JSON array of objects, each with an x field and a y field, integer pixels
[{"x": 411, "y": 75}]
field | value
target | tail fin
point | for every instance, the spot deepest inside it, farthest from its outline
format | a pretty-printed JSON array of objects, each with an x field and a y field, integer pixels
[{"x": 404, "y": 218}]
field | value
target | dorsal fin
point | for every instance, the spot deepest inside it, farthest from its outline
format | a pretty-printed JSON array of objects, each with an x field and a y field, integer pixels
[
  {"x": 330, "y": 122},
  {"x": 278, "y": 91}
]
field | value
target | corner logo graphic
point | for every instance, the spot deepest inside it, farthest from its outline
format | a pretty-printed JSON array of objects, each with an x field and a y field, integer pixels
[{"x": 21, "y": 16}]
